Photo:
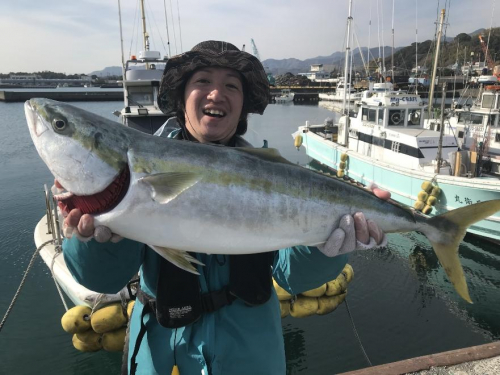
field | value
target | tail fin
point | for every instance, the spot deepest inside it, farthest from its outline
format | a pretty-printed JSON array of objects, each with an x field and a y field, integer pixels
[{"x": 454, "y": 224}]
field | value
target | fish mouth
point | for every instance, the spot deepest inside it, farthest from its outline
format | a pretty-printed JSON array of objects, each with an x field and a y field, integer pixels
[{"x": 97, "y": 203}]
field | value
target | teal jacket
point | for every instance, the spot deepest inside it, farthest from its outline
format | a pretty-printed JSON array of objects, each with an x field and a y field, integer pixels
[{"x": 236, "y": 339}]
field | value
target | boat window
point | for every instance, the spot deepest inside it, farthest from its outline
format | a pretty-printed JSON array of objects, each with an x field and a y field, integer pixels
[
  {"x": 414, "y": 116},
  {"x": 381, "y": 116},
  {"x": 372, "y": 115},
  {"x": 396, "y": 117},
  {"x": 364, "y": 114},
  {"x": 470, "y": 118},
  {"x": 140, "y": 95},
  {"x": 492, "y": 120},
  {"x": 488, "y": 101}
]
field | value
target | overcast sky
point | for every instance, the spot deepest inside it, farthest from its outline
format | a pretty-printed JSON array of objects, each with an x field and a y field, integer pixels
[{"x": 83, "y": 36}]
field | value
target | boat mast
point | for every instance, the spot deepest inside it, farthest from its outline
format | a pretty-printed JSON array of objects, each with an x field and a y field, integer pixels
[
  {"x": 392, "y": 54},
  {"x": 439, "y": 158},
  {"x": 346, "y": 65},
  {"x": 144, "y": 32},
  {"x": 434, "y": 69},
  {"x": 346, "y": 70},
  {"x": 121, "y": 38}
]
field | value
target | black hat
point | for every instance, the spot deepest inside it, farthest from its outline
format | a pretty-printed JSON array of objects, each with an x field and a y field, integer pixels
[{"x": 214, "y": 54}]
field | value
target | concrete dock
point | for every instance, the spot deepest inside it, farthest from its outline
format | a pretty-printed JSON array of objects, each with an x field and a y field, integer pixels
[
  {"x": 61, "y": 95},
  {"x": 475, "y": 360}
]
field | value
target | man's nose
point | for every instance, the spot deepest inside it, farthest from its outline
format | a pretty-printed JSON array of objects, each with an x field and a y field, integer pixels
[{"x": 216, "y": 93}]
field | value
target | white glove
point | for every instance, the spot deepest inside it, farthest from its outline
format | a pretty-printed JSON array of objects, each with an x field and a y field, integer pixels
[{"x": 354, "y": 233}]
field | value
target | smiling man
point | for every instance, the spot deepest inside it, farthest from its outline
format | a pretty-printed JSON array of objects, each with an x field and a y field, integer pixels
[{"x": 226, "y": 320}]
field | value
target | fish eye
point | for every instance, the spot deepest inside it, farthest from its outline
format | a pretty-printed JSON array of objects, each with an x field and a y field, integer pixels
[{"x": 59, "y": 124}]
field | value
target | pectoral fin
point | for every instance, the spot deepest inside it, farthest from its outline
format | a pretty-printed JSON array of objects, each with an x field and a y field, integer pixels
[
  {"x": 167, "y": 186},
  {"x": 180, "y": 258}
]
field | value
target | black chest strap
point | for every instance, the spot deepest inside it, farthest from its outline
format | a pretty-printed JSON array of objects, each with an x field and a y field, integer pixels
[{"x": 179, "y": 300}]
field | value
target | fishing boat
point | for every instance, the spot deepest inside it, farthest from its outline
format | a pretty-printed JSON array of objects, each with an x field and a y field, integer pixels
[
  {"x": 343, "y": 89},
  {"x": 387, "y": 144},
  {"x": 140, "y": 88},
  {"x": 141, "y": 82},
  {"x": 477, "y": 128},
  {"x": 286, "y": 96}
]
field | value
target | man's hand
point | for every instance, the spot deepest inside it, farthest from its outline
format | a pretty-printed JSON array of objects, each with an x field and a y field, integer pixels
[
  {"x": 82, "y": 226},
  {"x": 355, "y": 232}
]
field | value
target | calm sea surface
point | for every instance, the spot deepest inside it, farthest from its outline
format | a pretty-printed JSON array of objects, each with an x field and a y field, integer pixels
[{"x": 400, "y": 302}]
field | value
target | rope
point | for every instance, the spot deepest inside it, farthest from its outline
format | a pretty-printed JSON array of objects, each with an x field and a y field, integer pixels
[
  {"x": 16, "y": 295},
  {"x": 356, "y": 333},
  {"x": 58, "y": 252}
]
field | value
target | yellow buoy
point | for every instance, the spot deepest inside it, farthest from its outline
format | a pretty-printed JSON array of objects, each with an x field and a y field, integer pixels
[
  {"x": 348, "y": 272},
  {"x": 343, "y": 157},
  {"x": 317, "y": 292},
  {"x": 431, "y": 201},
  {"x": 88, "y": 341},
  {"x": 115, "y": 340},
  {"x": 175, "y": 370},
  {"x": 108, "y": 318},
  {"x": 340, "y": 173},
  {"x": 426, "y": 186},
  {"x": 342, "y": 165},
  {"x": 298, "y": 141},
  {"x": 76, "y": 319},
  {"x": 436, "y": 190},
  {"x": 427, "y": 210},
  {"x": 327, "y": 304},
  {"x": 422, "y": 196},
  {"x": 130, "y": 307},
  {"x": 285, "y": 308},
  {"x": 304, "y": 306},
  {"x": 419, "y": 205},
  {"x": 283, "y": 295},
  {"x": 337, "y": 286}
]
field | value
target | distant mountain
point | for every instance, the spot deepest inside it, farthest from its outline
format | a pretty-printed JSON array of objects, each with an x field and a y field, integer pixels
[
  {"x": 335, "y": 61},
  {"x": 108, "y": 71}
]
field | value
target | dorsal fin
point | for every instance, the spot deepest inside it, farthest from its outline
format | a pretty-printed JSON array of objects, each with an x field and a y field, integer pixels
[{"x": 269, "y": 154}]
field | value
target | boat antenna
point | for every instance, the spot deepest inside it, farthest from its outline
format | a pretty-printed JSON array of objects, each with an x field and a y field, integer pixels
[
  {"x": 179, "y": 21},
  {"x": 369, "y": 38},
  {"x": 166, "y": 26},
  {"x": 416, "y": 47},
  {"x": 121, "y": 38},
  {"x": 144, "y": 32},
  {"x": 392, "y": 54},
  {"x": 173, "y": 25},
  {"x": 383, "y": 41},
  {"x": 346, "y": 64},
  {"x": 436, "y": 58}
]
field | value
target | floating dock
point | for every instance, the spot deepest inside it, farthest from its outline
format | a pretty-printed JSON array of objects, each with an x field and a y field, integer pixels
[
  {"x": 475, "y": 360},
  {"x": 63, "y": 96}
]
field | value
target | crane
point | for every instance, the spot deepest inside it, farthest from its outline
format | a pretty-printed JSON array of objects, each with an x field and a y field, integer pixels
[
  {"x": 490, "y": 63},
  {"x": 255, "y": 50}
]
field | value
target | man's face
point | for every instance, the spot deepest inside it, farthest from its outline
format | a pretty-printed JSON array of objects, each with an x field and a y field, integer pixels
[{"x": 213, "y": 100}]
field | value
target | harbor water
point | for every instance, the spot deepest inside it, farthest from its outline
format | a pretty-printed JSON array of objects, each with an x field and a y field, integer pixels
[{"x": 400, "y": 303}]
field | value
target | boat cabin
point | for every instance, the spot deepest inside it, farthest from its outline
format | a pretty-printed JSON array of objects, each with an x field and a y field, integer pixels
[
  {"x": 389, "y": 127},
  {"x": 141, "y": 86}
]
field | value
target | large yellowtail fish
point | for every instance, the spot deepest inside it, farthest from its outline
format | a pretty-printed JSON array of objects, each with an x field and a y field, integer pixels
[{"x": 179, "y": 196}]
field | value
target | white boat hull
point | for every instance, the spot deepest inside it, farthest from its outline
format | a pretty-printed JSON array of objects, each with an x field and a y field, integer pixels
[{"x": 405, "y": 184}]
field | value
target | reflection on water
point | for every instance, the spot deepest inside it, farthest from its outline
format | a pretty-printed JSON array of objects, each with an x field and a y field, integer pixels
[{"x": 295, "y": 348}]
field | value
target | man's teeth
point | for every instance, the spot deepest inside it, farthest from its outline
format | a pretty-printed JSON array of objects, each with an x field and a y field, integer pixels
[{"x": 214, "y": 112}]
